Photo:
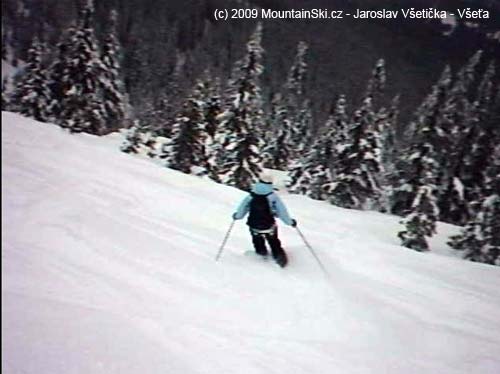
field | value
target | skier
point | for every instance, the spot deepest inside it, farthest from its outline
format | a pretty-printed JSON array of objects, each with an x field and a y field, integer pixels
[{"x": 263, "y": 205}]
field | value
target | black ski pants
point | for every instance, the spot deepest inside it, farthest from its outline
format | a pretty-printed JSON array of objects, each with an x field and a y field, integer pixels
[{"x": 259, "y": 242}]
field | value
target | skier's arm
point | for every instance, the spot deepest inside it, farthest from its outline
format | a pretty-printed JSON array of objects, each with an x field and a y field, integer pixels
[
  {"x": 281, "y": 210},
  {"x": 243, "y": 208}
]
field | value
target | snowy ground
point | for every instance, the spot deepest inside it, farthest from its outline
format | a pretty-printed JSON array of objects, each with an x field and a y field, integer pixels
[{"x": 108, "y": 267}]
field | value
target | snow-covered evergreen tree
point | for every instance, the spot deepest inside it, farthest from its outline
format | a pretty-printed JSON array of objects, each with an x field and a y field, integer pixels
[
  {"x": 456, "y": 118},
  {"x": 210, "y": 103},
  {"x": 273, "y": 118},
  {"x": 157, "y": 115},
  {"x": 482, "y": 136},
  {"x": 387, "y": 122},
  {"x": 315, "y": 170},
  {"x": 295, "y": 85},
  {"x": 322, "y": 160},
  {"x": 133, "y": 139},
  {"x": 297, "y": 106},
  {"x": 213, "y": 106},
  {"x": 376, "y": 84},
  {"x": 82, "y": 105},
  {"x": 59, "y": 73},
  {"x": 303, "y": 127},
  {"x": 276, "y": 154},
  {"x": 480, "y": 238},
  {"x": 356, "y": 183},
  {"x": 336, "y": 143},
  {"x": 420, "y": 222},
  {"x": 425, "y": 127},
  {"x": 187, "y": 146},
  {"x": 243, "y": 119},
  {"x": 111, "y": 83},
  {"x": 423, "y": 171},
  {"x": 320, "y": 179},
  {"x": 339, "y": 134},
  {"x": 304, "y": 121},
  {"x": 31, "y": 93}
]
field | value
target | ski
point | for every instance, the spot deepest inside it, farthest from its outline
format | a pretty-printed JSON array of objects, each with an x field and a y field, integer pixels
[{"x": 266, "y": 258}]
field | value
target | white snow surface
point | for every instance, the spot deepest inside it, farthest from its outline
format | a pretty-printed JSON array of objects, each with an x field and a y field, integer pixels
[{"x": 108, "y": 267}]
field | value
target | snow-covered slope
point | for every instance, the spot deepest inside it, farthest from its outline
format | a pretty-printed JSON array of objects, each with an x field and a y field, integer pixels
[{"x": 108, "y": 267}]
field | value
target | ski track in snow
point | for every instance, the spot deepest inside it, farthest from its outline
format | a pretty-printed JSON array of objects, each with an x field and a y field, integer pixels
[{"x": 108, "y": 267}]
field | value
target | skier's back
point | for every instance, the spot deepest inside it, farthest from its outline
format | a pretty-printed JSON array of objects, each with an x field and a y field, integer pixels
[{"x": 262, "y": 206}]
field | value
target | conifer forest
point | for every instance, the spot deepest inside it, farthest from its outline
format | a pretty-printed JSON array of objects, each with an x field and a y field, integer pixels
[{"x": 396, "y": 116}]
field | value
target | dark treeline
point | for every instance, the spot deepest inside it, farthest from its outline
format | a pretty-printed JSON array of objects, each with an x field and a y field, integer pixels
[{"x": 163, "y": 38}]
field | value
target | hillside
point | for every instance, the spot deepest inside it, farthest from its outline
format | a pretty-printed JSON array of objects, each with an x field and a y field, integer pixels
[{"x": 108, "y": 267}]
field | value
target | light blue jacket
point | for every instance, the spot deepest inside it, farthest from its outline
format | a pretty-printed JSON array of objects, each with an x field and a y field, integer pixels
[{"x": 277, "y": 207}]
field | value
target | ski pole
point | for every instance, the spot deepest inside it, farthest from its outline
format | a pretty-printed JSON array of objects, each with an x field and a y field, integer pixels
[
  {"x": 312, "y": 251},
  {"x": 225, "y": 240}
]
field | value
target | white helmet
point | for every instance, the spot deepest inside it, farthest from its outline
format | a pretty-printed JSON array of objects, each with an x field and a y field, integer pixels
[{"x": 266, "y": 177}]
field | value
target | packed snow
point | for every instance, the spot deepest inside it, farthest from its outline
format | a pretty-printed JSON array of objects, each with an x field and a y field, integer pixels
[{"x": 108, "y": 267}]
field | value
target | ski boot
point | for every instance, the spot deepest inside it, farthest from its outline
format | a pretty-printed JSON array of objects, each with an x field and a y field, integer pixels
[{"x": 281, "y": 259}]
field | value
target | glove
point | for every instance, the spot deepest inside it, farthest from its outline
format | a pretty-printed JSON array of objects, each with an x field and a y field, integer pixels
[
  {"x": 234, "y": 216},
  {"x": 294, "y": 223}
]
